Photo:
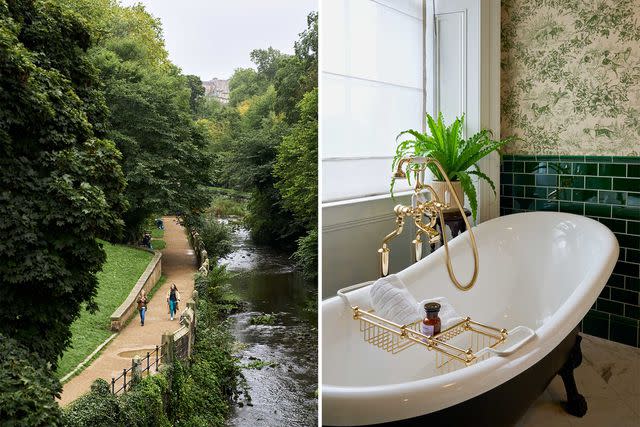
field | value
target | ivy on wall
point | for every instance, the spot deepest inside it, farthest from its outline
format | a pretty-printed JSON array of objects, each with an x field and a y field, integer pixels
[{"x": 571, "y": 76}]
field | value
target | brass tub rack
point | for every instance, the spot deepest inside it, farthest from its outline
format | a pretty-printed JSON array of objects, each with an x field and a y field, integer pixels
[
  {"x": 460, "y": 345},
  {"x": 479, "y": 339}
]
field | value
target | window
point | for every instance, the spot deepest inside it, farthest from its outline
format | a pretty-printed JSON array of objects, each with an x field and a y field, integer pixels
[{"x": 371, "y": 76}]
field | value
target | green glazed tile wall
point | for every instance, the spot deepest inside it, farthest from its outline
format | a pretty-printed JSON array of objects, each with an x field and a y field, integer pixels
[{"x": 606, "y": 189}]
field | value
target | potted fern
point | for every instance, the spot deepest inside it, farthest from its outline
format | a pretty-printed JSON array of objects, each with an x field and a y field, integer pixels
[{"x": 458, "y": 156}]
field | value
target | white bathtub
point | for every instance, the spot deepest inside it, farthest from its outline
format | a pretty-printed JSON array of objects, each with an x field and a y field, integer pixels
[{"x": 542, "y": 270}]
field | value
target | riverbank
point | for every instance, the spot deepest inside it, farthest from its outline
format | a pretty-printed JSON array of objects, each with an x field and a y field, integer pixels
[{"x": 279, "y": 356}]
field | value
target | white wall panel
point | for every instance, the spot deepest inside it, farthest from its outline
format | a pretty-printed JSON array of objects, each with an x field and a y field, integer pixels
[
  {"x": 362, "y": 118},
  {"x": 451, "y": 60},
  {"x": 410, "y": 7},
  {"x": 371, "y": 82},
  {"x": 357, "y": 178},
  {"x": 365, "y": 39}
]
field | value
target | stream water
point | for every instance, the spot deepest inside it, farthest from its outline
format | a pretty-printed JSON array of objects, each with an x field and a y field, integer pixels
[{"x": 284, "y": 355}]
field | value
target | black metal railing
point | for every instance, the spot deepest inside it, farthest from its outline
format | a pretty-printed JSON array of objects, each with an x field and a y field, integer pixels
[{"x": 152, "y": 360}]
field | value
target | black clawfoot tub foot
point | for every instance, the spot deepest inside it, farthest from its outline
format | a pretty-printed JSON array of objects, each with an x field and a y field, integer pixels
[{"x": 576, "y": 404}]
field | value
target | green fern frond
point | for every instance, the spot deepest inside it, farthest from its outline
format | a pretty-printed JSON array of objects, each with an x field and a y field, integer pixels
[
  {"x": 470, "y": 191},
  {"x": 485, "y": 177}
]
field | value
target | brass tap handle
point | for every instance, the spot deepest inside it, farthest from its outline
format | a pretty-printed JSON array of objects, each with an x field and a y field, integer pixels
[
  {"x": 384, "y": 250},
  {"x": 417, "y": 247},
  {"x": 430, "y": 208},
  {"x": 384, "y": 261}
]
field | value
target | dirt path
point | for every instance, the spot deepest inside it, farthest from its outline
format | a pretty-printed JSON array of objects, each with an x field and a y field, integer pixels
[{"x": 178, "y": 266}]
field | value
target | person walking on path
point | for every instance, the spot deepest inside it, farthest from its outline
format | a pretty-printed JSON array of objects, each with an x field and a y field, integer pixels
[
  {"x": 173, "y": 296},
  {"x": 142, "y": 306}
]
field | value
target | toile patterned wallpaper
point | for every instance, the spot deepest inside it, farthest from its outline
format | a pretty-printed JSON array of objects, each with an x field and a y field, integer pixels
[{"x": 571, "y": 76}]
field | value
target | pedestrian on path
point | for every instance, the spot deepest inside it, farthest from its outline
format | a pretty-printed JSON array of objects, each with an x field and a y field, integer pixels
[
  {"x": 173, "y": 297},
  {"x": 142, "y": 306}
]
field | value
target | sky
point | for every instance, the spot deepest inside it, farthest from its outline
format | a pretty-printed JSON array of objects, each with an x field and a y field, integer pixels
[{"x": 211, "y": 38}]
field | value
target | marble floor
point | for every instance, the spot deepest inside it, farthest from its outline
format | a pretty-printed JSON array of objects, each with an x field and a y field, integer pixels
[{"x": 609, "y": 379}]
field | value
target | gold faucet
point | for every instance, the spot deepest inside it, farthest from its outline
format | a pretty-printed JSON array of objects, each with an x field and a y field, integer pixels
[{"x": 432, "y": 208}]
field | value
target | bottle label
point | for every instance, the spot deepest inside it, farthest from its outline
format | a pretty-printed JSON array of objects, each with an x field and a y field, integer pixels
[{"x": 427, "y": 330}]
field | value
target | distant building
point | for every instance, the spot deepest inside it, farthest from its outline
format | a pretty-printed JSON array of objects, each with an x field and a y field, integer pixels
[{"x": 217, "y": 88}]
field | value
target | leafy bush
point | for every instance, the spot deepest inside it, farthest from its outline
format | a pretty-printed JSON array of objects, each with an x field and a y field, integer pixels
[
  {"x": 216, "y": 237},
  {"x": 223, "y": 206},
  {"x": 215, "y": 287},
  {"x": 61, "y": 181},
  {"x": 202, "y": 392},
  {"x": 158, "y": 244},
  {"x": 145, "y": 404},
  {"x": 259, "y": 364},
  {"x": 98, "y": 408},
  {"x": 264, "y": 319},
  {"x": 306, "y": 255},
  {"x": 27, "y": 388}
]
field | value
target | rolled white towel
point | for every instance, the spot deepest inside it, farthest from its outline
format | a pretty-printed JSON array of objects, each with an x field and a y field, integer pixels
[
  {"x": 447, "y": 313},
  {"x": 391, "y": 300}
]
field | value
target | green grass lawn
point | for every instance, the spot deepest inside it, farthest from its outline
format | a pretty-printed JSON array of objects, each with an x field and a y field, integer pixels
[
  {"x": 156, "y": 233},
  {"x": 158, "y": 244},
  {"x": 119, "y": 274}
]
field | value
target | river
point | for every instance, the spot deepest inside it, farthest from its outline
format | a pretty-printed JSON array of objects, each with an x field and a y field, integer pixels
[{"x": 284, "y": 389}]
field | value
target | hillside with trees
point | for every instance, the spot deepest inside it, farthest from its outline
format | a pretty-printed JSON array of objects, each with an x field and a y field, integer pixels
[
  {"x": 100, "y": 133},
  {"x": 264, "y": 142}
]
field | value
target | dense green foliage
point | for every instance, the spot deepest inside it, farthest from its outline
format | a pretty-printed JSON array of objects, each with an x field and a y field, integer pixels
[
  {"x": 151, "y": 105},
  {"x": 455, "y": 154},
  {"x": 27, "y": 388},
  {"x": 60, "y": 180},
  {"x": 298, "y": 182},
  {"x": 197, "y": 392},
  {"x": 225, "y": 206},
  {"x": 119, "y": 274},
  {"x": 143, "y": 405},
  {"x": 265, "y": 143},
  {"x": 97, "y": 133},
  {"x": 216, "y": 236}
]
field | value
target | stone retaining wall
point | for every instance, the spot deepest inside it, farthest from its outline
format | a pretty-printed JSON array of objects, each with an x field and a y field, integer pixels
[{"x": 147, "y": 281}]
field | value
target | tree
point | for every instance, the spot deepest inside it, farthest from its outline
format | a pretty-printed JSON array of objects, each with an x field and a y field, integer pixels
[
  {"x": 267, "y": 61},
  {"x": 60, "y": 180},
  {"x": 270, "y": 147},
  {"x": 196, "y": 100},
  {"x": 298, "y": 74},
  {"x": 244, "y": 84},
  {"x": 152, "y": 106},
  {"x": 27, "y": 387},
  {"x": 296, "y": 168}
]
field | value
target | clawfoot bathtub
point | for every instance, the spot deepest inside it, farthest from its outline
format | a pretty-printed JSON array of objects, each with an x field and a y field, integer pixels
[{"x": 541, "y": 270}]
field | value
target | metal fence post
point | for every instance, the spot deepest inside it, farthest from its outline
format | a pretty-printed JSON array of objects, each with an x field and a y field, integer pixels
[
  {"x": 124, "y": 385},
  {"x": 113, "y": 385},
  {"x": 157, "y": 355},
  {"x": 148, "y": 366}
]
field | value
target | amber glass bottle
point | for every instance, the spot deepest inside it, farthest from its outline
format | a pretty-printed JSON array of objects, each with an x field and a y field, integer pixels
[{"x": 431, "y": 323}]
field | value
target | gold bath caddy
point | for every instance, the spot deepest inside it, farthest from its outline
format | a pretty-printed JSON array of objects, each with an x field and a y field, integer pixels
[{"x": 479, "y": 340}]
